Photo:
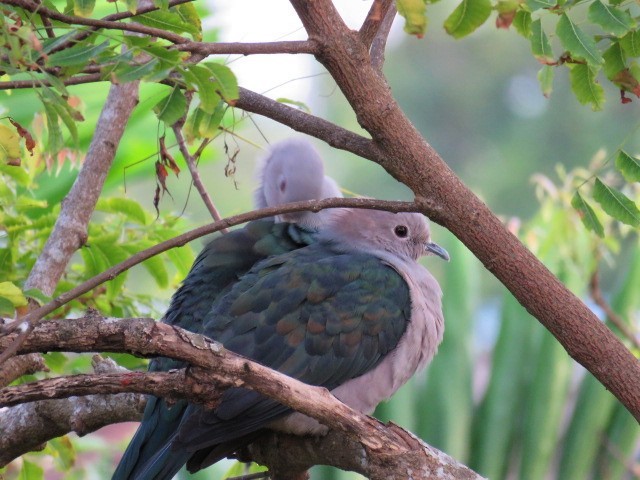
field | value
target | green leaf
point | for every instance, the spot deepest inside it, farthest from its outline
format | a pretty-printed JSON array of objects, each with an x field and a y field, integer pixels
[
  {"x": 631, "y": 43},
  {"x": 201, "y": 78},
  {"x": 540, "y": 46},
  {"x": 12, "y": 293},
  {"x": 585, "y": 87},
  {"x": 9, "y": 144},
  {"x": 587, "y": 215},
  {"x": 614, "y": 60},
  {"x": 467, "y": 17},
  {"x": 414, "y": 13},
  {"x": 611, "y": 19},
  {"x": 538, "y": 4},
  {"x": 578, "y": 43},
  {"x": 188, "y": 13},
  {"x": 522, "y": 23},
  {"x": 76, "y": 55},
  {"x": 83, "y": 8},
  {"x": 168, "y": 20},
  {"x": 128, "y": 73},
  {"x": 132, "y": 5},
  {"x": 38, "y": 295},
  {"x": 55, "y": 140},
  {"x": 204, "y": 125},
  {"x": 6, "y": 307},
  {"x": 227, "y": 83},
  {"x": 545, "y": 78},
  {"x": 616, "y": 204},
  {"x": 30, "y": 471},
  {"x": 301, "y": 105},
  {"x": 155, "y": 266},
  {"x": 172, "y": 107},
  {"x": 63, "y": 452},
  {"x": 56, "y": 361},
  {"x": 629, "y": 166},
  {"x": 130, "y": 208}
]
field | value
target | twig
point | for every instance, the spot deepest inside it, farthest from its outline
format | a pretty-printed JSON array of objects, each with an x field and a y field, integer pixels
[
  {"x": 598, "y": 298},
  {"x": 252, "y": 476},
  {"x": 380, "y": 40},
  {"x": 95, "y": 23},
  {"x": 239, "y": 48},
  {"x": 374, "y": 20},
  {"x": 312, "y": 205},
  {"x": 79, "y": 80},
  {"x": 195, "y": 174}
]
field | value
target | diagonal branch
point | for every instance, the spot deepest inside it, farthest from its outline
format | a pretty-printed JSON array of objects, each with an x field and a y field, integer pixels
[
  {"x": 25, "y": 325},
  {"x": 300, "y": 121}
]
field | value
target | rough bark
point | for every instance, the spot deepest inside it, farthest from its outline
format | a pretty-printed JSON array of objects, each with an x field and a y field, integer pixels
[{"x": 388, "y": 450}]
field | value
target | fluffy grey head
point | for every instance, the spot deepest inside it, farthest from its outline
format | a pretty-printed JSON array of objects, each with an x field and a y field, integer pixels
[
  {"x": 402, "y": 234},
  {"x": 293, "y": 171}
]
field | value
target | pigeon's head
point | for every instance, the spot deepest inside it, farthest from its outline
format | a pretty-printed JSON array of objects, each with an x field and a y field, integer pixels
[
  {"x": 293, "y": 171},
  {"x": 404, "y": 234}
]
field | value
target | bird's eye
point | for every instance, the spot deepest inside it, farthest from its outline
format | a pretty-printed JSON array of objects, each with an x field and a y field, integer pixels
[
  {"x": 401, "y": 231},
  {"x": 283, "y": 185}
]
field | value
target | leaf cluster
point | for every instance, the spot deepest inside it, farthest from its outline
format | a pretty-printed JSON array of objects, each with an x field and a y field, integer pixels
[{"x": 605, "y": 44}]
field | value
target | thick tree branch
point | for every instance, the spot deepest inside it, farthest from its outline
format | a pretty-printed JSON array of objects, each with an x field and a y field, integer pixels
[
  {"x": 145, "y": 337},
  {"x": 412, "y": 161},
  {"x": 27, "y": 427}
]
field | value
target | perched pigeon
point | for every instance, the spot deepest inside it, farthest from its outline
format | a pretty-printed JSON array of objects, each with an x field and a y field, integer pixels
[
  {"x": 219, "y": 266},
  {"x": 291, "y": 172},
  {"x": 353, "y": 311}
]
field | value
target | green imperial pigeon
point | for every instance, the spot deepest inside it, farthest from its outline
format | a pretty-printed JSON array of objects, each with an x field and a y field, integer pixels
[
  {"x": 298, "y": 172},
  {"x": 351, "y": 310}
]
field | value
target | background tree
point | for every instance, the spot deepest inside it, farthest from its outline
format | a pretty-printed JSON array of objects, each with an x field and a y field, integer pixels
[{"x": 50, "y": 47}]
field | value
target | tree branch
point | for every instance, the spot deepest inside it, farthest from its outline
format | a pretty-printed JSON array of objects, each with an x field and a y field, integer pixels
[
  {"x": 446, "y": 200},
  {"x": 300, "y": 121},
  {"x": 194, "y": 385},
  {"x": 195, "y": 175},
  {"x": 70, "y": 230},
  {"x": 33, "y": 7},
  {"x": 231, "y": 48},
  {"x": 21, "y": 365},
  {"x": 374, "y": 21},
  {"x": 312, "y": 206},
  {"x": 380, "y": 40},
  {"x": 145, "y": 337}
]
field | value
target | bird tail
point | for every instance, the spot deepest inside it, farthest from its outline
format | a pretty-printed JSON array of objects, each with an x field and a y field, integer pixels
[{"x": 154, "y": 435}]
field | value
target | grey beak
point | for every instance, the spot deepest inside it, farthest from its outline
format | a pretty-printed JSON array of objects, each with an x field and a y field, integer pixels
[{"x": 436, "y": 249}]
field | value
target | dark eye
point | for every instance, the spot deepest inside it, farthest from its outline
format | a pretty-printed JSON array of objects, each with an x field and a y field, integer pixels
[{"x": 401, "y": 231}]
